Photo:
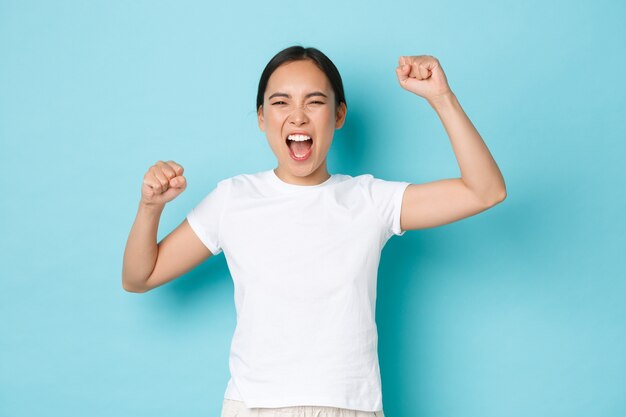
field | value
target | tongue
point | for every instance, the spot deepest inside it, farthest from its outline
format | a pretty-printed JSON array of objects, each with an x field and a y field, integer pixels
[{"x": 300, "y": 148}]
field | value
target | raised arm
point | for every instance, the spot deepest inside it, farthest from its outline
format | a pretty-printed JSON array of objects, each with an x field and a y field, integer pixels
[
  {"x": 147, "y": 264},
  {"x": 481, "y": 185}
]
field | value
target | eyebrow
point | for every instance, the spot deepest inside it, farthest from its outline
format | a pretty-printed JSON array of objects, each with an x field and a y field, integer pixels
[{"x": 314, "y": 93}]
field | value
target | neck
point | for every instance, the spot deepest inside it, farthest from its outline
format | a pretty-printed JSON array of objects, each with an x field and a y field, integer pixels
[{"x": 314, "y": 178}]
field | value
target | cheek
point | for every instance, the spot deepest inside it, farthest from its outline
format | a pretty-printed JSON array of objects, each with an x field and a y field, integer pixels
[
  {"x": 274, "y": 121},
  {"x": 327, "y": 119}
]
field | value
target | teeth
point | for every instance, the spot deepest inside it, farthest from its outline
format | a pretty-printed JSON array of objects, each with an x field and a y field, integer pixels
[{"x": 298, "y": 138}]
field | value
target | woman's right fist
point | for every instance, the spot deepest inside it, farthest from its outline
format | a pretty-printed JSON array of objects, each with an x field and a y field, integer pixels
[{"x": 162, "y": 183}]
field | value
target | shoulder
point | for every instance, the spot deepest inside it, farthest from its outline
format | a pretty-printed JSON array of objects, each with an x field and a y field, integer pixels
[
  {"x": 240, "y": 180},
  {"x": 247, "y": 180},
  {"x": 360, "y": 178},
  {"x": 364, "y": 180},
  {"x": 379, "y": 189},
  {"x": 352, "y": 179},
  {"x": 257, "y": 184},
  {"x": 363, "y": 183}
]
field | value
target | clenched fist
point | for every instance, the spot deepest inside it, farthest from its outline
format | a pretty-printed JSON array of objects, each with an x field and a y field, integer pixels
[
  {"x": 422, "y": 75},
  {"x": 162, "y": 183}
]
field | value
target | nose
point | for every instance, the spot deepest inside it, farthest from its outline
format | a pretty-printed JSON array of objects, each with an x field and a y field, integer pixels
[{"x": 298, "y": 116}]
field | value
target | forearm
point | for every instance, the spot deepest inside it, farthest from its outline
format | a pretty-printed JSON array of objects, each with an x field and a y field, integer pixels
[
  {"x": 141, "y": 250},
  {"x": 479, "y": 170}
]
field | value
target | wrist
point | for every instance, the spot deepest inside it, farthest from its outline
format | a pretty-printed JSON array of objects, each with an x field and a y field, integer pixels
[
  {"x": 443, "y": 100},
  {"x": 150, "y": 208}
]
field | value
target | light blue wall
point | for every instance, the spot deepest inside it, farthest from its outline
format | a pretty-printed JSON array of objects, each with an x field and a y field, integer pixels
[{"x": 517, "y": 311}]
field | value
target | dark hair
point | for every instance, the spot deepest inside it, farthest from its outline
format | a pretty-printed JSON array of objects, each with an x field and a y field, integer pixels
[{"x": 299, "y": 53}]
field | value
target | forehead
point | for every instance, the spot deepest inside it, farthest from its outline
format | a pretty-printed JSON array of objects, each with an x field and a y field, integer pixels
[{"x": 298, "y": 76}]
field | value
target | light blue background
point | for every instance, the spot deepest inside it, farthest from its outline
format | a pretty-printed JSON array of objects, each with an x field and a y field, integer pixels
[{"x": 517, "y": 311}]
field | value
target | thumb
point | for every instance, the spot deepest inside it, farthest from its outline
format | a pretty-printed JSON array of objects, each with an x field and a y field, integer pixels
[
  {"x": 177, "y": 186},
  {"x": 403, "y": 72},
  {"x": 178, "y": 182}
]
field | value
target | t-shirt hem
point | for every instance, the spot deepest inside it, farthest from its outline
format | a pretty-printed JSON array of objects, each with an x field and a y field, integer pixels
[
  {"x": 309, "y": 401},
  {"x": 398, "y": 197}
]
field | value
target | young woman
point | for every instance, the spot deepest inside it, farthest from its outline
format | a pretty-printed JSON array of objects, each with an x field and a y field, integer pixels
[{"x": 302, "y": 245}]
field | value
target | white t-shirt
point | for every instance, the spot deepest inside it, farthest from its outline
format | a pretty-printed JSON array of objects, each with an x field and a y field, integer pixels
[{"x": 304, "y": 262}]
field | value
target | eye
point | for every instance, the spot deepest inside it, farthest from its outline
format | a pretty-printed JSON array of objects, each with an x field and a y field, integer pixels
[
  {"x": 316, "y": 102},
  {"x": 278, "y": 102}
]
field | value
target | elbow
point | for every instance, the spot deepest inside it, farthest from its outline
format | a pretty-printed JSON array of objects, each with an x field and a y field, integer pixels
[
  {"x": 502, "y": 195},
  {"x": 128, "y": 287},
  {"x": 493, "y": 197},
  {"x": 133, "y": 290},
  {"x": 499, "y": 197}
]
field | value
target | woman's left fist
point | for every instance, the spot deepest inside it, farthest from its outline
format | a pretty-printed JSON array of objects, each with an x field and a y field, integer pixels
[{"x": 422, "y": 75}]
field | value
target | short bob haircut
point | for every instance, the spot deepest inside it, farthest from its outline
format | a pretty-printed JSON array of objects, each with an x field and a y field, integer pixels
[{"x": 299, "y": 53}]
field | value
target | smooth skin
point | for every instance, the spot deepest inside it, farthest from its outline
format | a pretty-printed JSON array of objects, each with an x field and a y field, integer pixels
[
  {"x": 481, "y": 185},
  {"x": 147, "y": 264},
  {"x": 299, "y": 98}
]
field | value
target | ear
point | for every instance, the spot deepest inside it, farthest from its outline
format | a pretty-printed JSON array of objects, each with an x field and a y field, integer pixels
[
  {"x": 260, "y": 119},
  {"x": 342, "y": 111}
]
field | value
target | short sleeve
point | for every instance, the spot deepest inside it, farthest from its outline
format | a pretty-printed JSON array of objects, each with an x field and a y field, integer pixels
[
  {"x": 205, "y": 217},
  {"x": 387, "y": 199}
]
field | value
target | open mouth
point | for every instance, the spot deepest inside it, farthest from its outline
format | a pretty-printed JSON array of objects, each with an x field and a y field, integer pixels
[{"x": 299, "y": 145}]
